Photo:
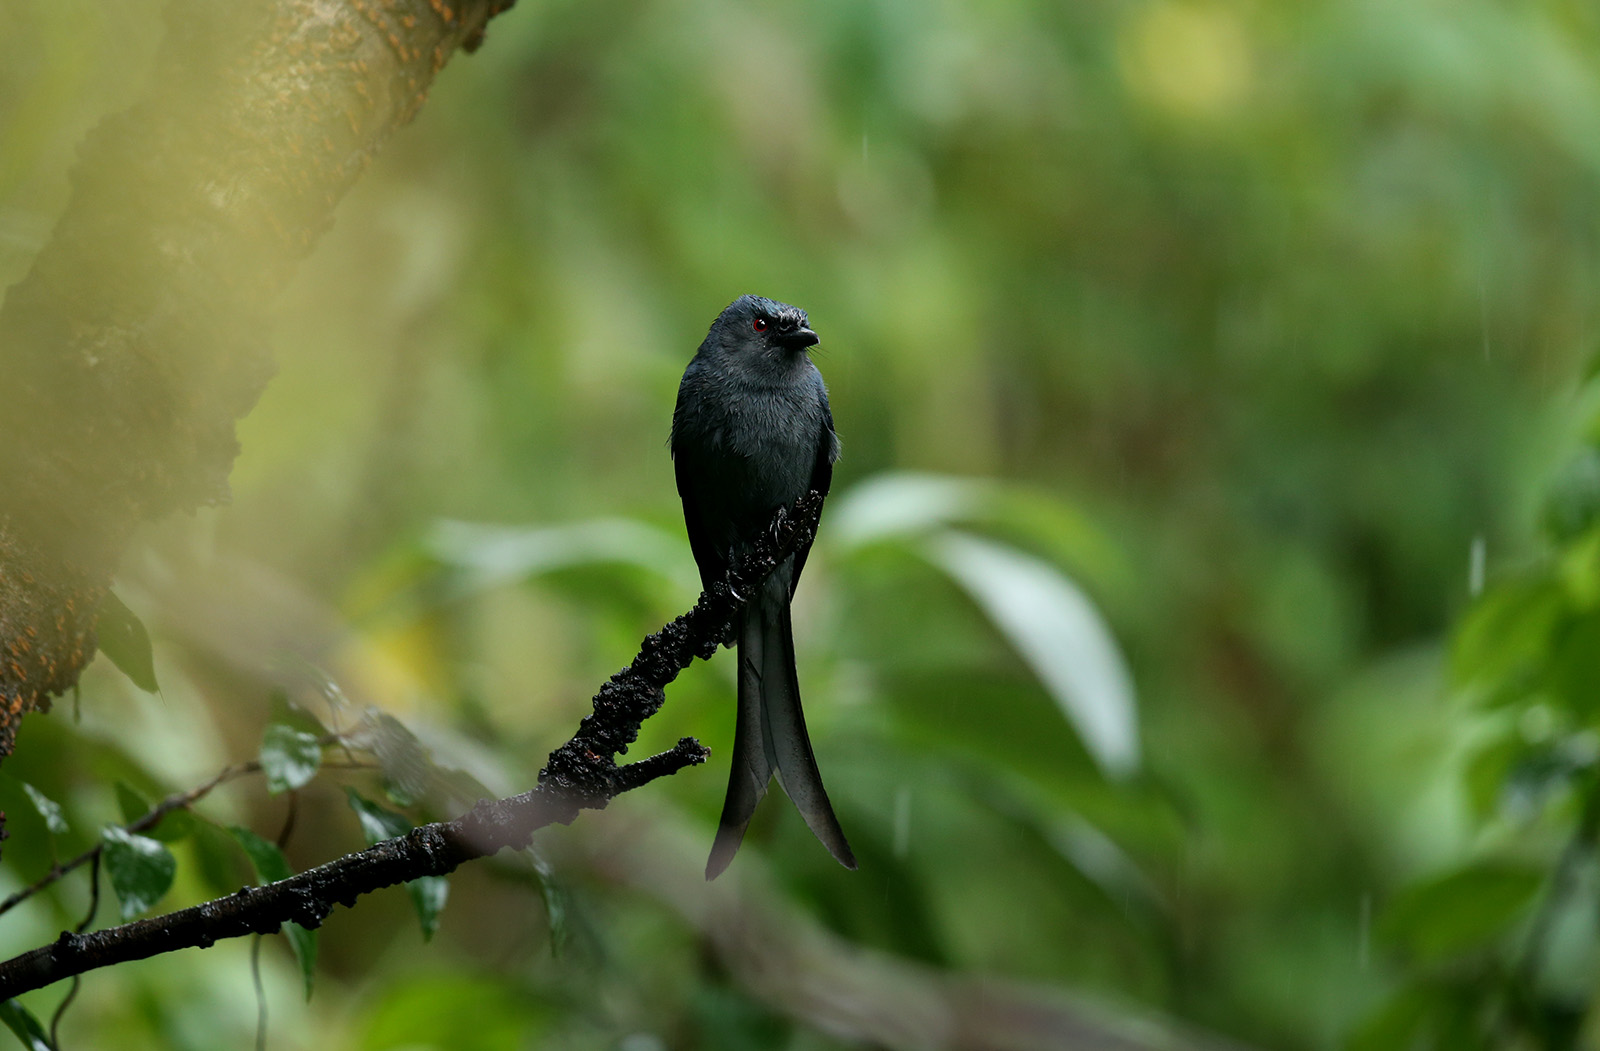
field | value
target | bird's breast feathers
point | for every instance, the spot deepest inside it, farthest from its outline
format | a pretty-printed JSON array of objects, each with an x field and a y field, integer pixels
[{"x": 760, "y": 423}]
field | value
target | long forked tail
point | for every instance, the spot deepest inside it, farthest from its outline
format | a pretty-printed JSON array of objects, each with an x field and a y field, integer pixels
[
  {"x": 752, "y": 756},
  {"x": 770, "y": 736}
]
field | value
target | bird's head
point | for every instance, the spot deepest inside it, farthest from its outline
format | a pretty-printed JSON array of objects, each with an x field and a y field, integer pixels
[{"x": 758, "y": 336}]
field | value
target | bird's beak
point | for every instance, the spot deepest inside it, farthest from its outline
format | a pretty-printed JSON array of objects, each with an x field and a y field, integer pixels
[{"x": 800, "y": 339}]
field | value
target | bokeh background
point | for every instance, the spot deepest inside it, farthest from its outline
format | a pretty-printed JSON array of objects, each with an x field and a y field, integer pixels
[{"x": 1201, "y": 366}]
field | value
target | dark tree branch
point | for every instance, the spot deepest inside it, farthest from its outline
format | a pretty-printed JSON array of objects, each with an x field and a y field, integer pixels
[
  {"x": 581, "y": 774},
  {"x": 136, "y": 339}
]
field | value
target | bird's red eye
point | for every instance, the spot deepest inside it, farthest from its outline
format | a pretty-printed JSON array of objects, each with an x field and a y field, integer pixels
[{"x": 760, "y": 324}]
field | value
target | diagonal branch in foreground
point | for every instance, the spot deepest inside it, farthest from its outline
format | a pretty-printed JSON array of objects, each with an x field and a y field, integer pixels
[{"x": 581, "y": 774}]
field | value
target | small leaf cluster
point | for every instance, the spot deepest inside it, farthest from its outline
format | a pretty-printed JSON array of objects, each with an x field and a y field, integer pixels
[
  {"x": 1505, "y": 948},
  {"x": 141, "y": 866}
]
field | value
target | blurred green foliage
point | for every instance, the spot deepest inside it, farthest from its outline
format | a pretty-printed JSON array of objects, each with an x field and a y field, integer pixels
[
  {"x": 1247, "y": 332},
  {"x": 1503, "y": 951}
]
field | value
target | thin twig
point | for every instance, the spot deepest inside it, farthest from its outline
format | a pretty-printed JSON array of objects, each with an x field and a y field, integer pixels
[
  {"x": 148, "y": 820},
  {"x": 581, "y": 774},
  {"x": 288, "y": 820},
  {"x": 83, "y": 925},
  {"x": 255, "y": 944}
]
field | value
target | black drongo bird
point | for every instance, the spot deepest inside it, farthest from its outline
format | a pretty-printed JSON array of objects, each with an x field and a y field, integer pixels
[{"x": 752, "y": 433}]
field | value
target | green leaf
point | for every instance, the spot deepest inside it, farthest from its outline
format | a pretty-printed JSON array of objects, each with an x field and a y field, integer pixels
[
  {"x": 1487, "y": 773},
  {"x": 123, "y": 638},
  {"x": 289, "y": 757},
  {"x": 909, "y": 506},
  {"x": 304, "y": 944},
  {"x": 174, "y": 825},
  {"x": 428, "y": 893},
  {"x": 214, "y": 854},
  {"x": 141, "y": 869},
  {"x": 904, "y": 504},
  {"x": 1574, "y": 501},
  {"x": 271, "y": 866},
  {"x": 1508, "y": 632},
  {"x": 377, "y": 824},
  {"x": 265, "y": 857},
  {"x": 555, "y": 901},
  {"x": 1008, "y": 725},
  {"x": 20, "y": 1021},
  {"x": 49, "y": 809},
  {"x": 1574, "y": 665},
  {"x": 1059, "y": 633},
  {"x": 1464, "y": 910}
]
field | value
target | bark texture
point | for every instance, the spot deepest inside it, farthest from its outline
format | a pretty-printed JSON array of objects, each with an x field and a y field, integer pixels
[{"x": 135, "y": 342}]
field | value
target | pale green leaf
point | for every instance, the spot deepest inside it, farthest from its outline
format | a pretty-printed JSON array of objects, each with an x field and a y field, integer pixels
[
  {"x": 290, "y": 758},
  {"x": 141, "y": 869},
  {"x": 49, "y": 809}
]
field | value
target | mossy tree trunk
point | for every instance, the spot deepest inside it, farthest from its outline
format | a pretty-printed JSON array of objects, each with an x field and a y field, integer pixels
[{"x": 135, "y": 341}]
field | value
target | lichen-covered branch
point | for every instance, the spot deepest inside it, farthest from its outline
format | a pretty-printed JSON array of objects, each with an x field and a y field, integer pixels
[
  {"x": 583, "y": 773},
  {"x": 135, "y": 341}
]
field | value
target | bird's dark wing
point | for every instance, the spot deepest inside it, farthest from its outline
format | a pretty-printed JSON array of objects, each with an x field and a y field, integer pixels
[
  {"x": 821, "y": 479},
  {"x": 712, "y": 561}
]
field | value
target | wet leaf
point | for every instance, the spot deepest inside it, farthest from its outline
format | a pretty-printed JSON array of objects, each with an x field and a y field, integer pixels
[
  {"x": 265, "y": 857},
  {"x": 122, "y": 637},
  {"x": 1061, "y": 636},
  {"x": 909, "y": 505},
  {"x": 377, "y": 823},
  {"x": 555, "y": 901},
  {"x": 20, "y": 1021},
  {"x": 271, "y": 866},
  {"x": 428, "y": 893},
  {"x": 902, "y": 504},
  {"x": 1574, "y": 501},
  {"x": 428, "y": 896},
  {"x": 289, "y": 757},
  {"x": 141, "y": 869},
  {"x": 49, "y": 809}
]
